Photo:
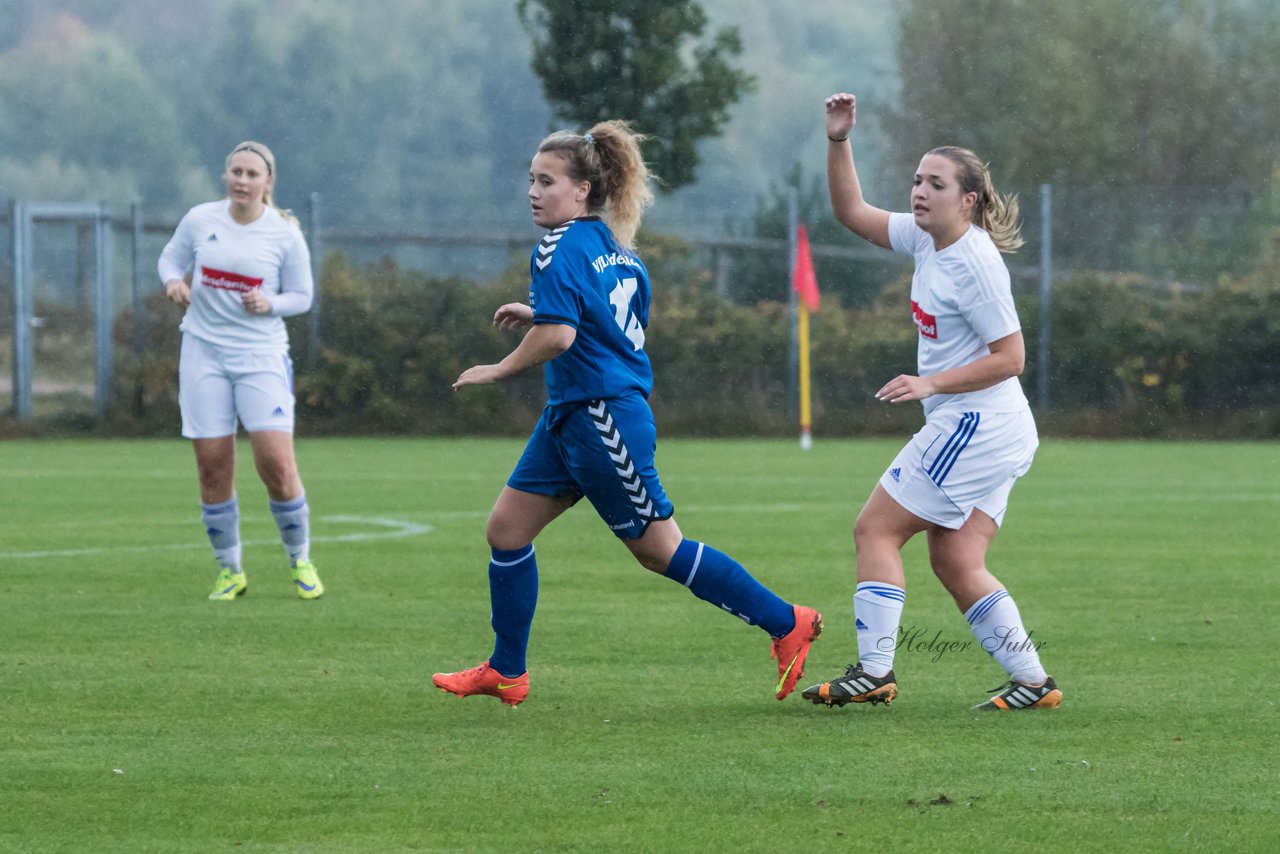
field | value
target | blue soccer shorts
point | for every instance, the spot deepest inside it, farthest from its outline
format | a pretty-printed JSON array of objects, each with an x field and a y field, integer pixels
[{"x": 603, "y": 450}]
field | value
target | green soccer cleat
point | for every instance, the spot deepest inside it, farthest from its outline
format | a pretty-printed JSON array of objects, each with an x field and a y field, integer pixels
[
  {"x": 306, "y": 581},
  {"x": 228, "y": 586}
]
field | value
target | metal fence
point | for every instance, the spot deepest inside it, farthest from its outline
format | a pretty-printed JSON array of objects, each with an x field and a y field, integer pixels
[{"x": 68, "y": 271}]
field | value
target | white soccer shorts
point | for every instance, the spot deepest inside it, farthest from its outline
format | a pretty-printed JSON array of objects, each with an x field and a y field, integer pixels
[
  {"x": 217, "y": 384},
  {"x": 961, "y": 462}
]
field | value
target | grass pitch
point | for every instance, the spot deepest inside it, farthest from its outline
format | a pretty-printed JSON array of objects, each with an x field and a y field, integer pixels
[{"x": 139, "y": 717}]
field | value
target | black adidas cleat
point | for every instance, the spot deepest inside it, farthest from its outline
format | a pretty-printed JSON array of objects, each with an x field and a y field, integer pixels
[
  {"x": 1015, "y": 697},
  {"x": 855, "y": 686}
]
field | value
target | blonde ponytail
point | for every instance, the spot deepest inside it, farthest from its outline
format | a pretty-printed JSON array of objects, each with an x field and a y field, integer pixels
[
  {"x": 995, "y": 213},
  {"x": 608, "y": 157}
]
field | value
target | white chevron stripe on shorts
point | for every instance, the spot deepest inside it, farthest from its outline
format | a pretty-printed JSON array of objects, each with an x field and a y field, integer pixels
[{"x": 621, "y": 458}]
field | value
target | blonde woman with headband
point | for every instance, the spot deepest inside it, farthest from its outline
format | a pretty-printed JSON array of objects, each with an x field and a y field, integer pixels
[
  {"x": 586, "y": 317},
  {"x": 239, "y": 266},
  {"x": 952, "y": 480}
]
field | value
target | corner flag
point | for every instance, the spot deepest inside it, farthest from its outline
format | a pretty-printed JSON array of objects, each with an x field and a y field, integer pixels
[
  {"x": 805, "y": 283},
  {"x": 803, "y": 278}
]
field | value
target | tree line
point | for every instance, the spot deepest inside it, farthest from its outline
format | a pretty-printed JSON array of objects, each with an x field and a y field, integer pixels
[
  {"x": 1159, "y": 117},
  {"x": 410, "y": 113}
]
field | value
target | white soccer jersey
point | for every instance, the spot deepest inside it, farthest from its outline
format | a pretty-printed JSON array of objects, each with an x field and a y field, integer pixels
[
  {"x": 961, "y": 301},
  {"x": 227, "y": 259}
]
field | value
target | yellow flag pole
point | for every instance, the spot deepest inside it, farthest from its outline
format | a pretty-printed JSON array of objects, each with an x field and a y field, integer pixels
[{"x": 806, "y": 439}]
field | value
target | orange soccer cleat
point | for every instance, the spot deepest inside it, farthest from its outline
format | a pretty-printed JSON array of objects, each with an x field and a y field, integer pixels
[
  {"x": 483, "y": 679},
  {"x": 791, "y": 650}
]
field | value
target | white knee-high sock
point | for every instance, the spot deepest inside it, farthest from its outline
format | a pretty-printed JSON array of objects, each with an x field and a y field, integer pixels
[
  {"x": 222, "y": 524},
  {"x": 293, "y": 520},
  {"x": 997, "y": 625},
  {"x": 877, "y": 611}
]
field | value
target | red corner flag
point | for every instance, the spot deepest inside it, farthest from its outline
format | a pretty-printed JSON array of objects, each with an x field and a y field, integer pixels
[{"x": 803, "y": 279}]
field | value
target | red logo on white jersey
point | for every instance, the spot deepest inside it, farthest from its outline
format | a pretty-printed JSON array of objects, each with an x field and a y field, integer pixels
[
  {"x": 212, "y": 278},
  {"x": 925, "y": 322}
]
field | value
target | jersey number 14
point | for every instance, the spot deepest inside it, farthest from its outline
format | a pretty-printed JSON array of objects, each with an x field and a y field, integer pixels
[{"x": 620, "y": 299}]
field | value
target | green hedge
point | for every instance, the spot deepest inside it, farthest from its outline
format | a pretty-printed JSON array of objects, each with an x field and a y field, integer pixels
[
  {"x": 1129, "y": 358},
  {"x": 1132, "y": 358}
]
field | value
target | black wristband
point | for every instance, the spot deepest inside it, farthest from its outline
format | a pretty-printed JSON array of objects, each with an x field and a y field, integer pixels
[{"x": 837, "y": 138}]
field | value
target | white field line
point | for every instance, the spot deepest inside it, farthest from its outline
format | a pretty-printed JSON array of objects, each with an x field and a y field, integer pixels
[{"x": 393, "y": 529}]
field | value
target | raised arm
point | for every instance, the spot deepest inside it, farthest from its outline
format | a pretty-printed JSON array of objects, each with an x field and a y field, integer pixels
[{"x": 850, "y": 208}]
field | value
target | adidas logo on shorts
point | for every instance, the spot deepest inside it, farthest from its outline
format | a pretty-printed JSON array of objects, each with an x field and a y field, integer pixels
[{"x": 896, "y": 474}]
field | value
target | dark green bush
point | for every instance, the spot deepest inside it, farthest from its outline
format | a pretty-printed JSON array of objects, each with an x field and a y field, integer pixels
[{"x": 1129, "y": 358}]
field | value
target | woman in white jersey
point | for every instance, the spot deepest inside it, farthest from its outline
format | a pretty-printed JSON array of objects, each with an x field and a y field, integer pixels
[
  {"x": 240, "y": 266},
  {"x": 952, "y": 481}
]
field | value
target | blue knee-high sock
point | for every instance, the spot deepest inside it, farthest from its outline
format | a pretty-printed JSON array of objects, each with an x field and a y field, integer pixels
[
  {"x": 715, "y": 577},
  {"x": 513, "y": 595}
]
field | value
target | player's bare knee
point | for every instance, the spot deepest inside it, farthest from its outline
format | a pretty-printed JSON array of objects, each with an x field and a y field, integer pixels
[
  {"x": 943, "y": 570},
  {"x": 869, "y": 531},
  {"x": 504, "y": 537},
  {"x": 215, "y": 475},
  {"x": 656, "y": 548},
  {"x": 859, "y": 537},
  {"x": 278, "y": 473},
  {"x": 652, "y": 563},
  {"x": 867, "y": 538},
  {"x": 955, "y": 576}
]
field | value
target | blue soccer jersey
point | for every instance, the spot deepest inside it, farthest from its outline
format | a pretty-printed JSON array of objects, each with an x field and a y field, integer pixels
[{"x": 581, "y": 277}]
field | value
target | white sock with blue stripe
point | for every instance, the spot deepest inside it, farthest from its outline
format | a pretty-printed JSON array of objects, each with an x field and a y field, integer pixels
[
  {"x": 293, "y": 518},
  {"x": 997, "y": 625},
  {"x": 877, "y": 613},
  {"x": 222, "y": 524}
]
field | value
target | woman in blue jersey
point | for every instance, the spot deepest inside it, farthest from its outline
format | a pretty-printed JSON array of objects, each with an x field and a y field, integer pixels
[
  {"x": 586, "y": 317},
  {"x": 952, "y": 481},
  {"x": 240, "y": 266}
]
